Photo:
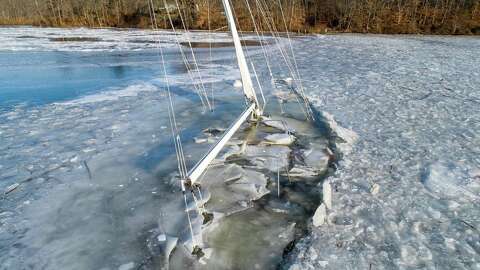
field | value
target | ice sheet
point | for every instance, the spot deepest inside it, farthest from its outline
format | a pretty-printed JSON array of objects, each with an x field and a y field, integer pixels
[
  {"x": 94, "y": 175},
  {"x": 406, "y": 196},
  {"x": 100, "y": 39}
]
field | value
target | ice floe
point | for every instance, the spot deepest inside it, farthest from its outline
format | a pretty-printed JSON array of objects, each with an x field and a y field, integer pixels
[{"x": 279, "y": 138}]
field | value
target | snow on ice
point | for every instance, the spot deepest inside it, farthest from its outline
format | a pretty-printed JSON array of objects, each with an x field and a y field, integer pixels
[{"x": 405, "y": 194}]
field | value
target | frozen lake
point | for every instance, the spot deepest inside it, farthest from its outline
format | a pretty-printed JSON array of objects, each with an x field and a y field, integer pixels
[
  {"x": 84, "y": 130},
  {"x": 39, "y": 66},
  {"x": 87, "y": 165}
]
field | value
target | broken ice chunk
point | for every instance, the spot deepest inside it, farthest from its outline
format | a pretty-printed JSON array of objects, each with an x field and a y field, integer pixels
[
  {"x": 312, "y": 162},
  {"x": 232, "y": 150},
  {"x": 230, "y": 184},
  {"x": 162, "y": 238},
  {"x": 317, "y": 158},
  {"x": 375, "y": 189},
  {"x": 235, "y": 142},
  {"x": 254, "y": 187},
  {"x": 207, "y": 253},
  {"x": 299, "y": 171},
  {"x": 237, "y": 84},
  {"x": 202, "y": 140},
  {"x": 278, "y": 124},
  {"x": 288, "y": 81},
  {"x": 161, "y": 246},
  {"x": 127, "y": 266},
  {"x": 347, "y": 137},
  {"x": 283, "y": 96},
  {"x": 475, "y": 174},
  {"x": 320, "y": 216},
  {"x": 280, "y": 139},
  {"x": 327, "y": 193},
  {"x": 11, "y": 188},
  {"x": 272, "y": 158}
]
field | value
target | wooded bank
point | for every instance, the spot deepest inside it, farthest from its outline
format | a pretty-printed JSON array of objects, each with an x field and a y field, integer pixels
[{"x": 363, "y": 16}]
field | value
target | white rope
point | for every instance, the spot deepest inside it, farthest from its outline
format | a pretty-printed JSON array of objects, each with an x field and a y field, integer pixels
[
  {"x": 259, "y": 86},
  {"x": 265, "y": 53},
  {"x": 278, "y": 180},
  {"x": 188, "y": 215},
  {"x": 199, "y": 204},
  {"x": 171, "y": 111},
  {"x": 173, "y": 123},
  {"x": 210, "y": 50},
  {"x": 260, "y": 39},
  {"x": 272, "y": 28},
  {"x": 273, "y": 31},
  {"x": 182, "y": 157},
  {"x": 239, "y": 27},
  {"x": 263, "y": 8},
  {"x": 299, "y": 79},
  {"x": 184, "y": 58},
  {"x": 194, "y": 58}
]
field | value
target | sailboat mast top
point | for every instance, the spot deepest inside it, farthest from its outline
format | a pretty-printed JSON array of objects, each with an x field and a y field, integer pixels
[{"x": 242, "y": 62}]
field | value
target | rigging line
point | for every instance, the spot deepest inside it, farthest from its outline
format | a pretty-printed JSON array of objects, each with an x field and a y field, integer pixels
[
  {"x": 235, "y": 17},
  {"x": 184, "y": 58},
  {"x": 201, "y": 198},
  {"x": 199, "y": 203},
  {"x": 259, "y": 86},
  {"x": 271, "y": 25},
  {"x": 177, "y": 149},
  {"x": 278, "y": 180},
  {"x": 173, "y": 123},
  {"x": 305, "y": 107},
  {"x": 263, "y": 7},
  {"x": 188, "y": 214},
  {"x": 287, "y": 62},
  {"x": 291, "y": 15},
  {"x": 289, "y": 40},
  {"x": 249, "y": 57},
  {"x": 247, "y": 51},
  {"x": 210, "y": 49},
  {"x": 274, "y": 31},
  {"x": 193, "y": 55},
  {"x": 184, "y": 164},
  {"x": 196, "y": 172},
  {"x": 259, "y": 39},
  {"x": 246, "y": 56},
  {"x": 265, "y": 53},
  {"x": 294, "y": 58},
  {"x": 171, "y": 112}
]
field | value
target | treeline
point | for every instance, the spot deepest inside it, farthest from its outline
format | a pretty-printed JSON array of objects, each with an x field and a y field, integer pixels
[{"x": 364, "y": 16}]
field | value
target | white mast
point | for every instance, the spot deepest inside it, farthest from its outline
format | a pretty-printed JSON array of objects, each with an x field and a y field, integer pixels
[
  {"x": 253, "y": 108},
  {"x": 242, "y": 63}
]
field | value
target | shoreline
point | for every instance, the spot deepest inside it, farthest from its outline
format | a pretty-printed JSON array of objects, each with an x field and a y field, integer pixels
[{"x": 295, "y": 33}]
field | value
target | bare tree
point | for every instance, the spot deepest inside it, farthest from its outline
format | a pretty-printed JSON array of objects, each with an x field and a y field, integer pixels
[{"x": 377, "y": 16}]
